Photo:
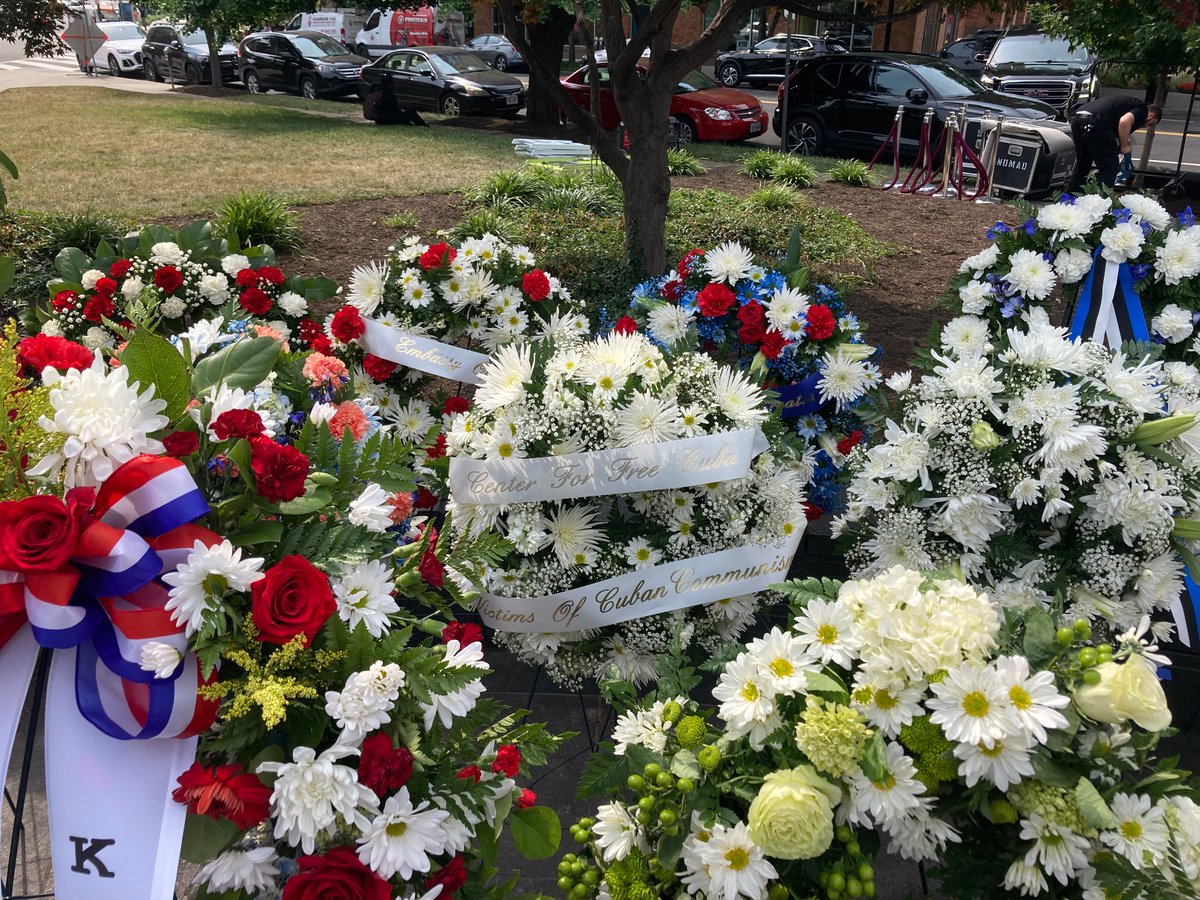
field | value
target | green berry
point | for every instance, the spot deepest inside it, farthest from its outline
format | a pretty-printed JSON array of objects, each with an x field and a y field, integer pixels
[
  {"x": 837, "y": 882},
  {"x": 1082, "y": 629},
  {"x": 866, "y": 873},
  {"x": 843, "y": 834},
  {"x": 1087, "y": 657},
  {"x": 581, "y": 837},
  {"x": 868, "y": 889},
  {"x": 665, "y": 780},
  {"x": 672, "y": 829},
  {"x": 1091, "y": 676},
  {"x": 577, "y": 869},
  {"x": 667, "y": 816},
  {"x": 854, "y": 888},
  {"x": 854, "y": 848},
  {"x": 635, "y": 783},
  {"x": 651, "y": 771},
  {"x": 685, "y": 785},
  {"x": 710, "y": 758},
  {"x": 581, "y": 892},
  {"x": 565, "y": 884},
  {"x": 1065, "y": 636},
  {"x": 591, "y": 878},
  {"x": 587, "y": 823},
  {"x": 833, "y": 895},
  {"x": 643, "y": 817},
  {"x": 778, "y": 892},
  {"x": 564, "y": 868},
  {"x": 646, "y": 803}
]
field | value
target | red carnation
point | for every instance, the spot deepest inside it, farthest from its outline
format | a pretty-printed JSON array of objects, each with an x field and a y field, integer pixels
[
  {"x": 752, "y": 312},
  {"x": 255, "y": 300},
  {"x": 751, "y": 333},
  {"x": 64, "y": 301},
  {"x": 820, "y": 322},
  {"x": 98, "y": 307},
  {"x": 508, "y": 760},
  {"x": 527, "y": 799},
  {"x": 309, "y": 329},
  {"x": 293, "y": 597},
  {"x": 224, "y": 792},
  {"x": 672, "y": 289},
  {"x": 168, "y": 278},
  {"x": 812, "y": 512},
  {"x": 464, "y": 632},
  {"x": 473, "y": 773},
  {"x": 454, "y": 405},
  {"x": 270, "y": 275},
  {"x": 338, "y": 875},
  {"x": 247, "y": 278},
  {"x": 279, "y": 471},
  {"x": 437, "y": 255},
  {"x": 382, "y": 766},
  {"x": 626, "y": 325},
  {"x": 347, "y": 324},
  {"x": 772, "y": 344},
  {"x": 715, "y": 300},
  {"x": 451, "y": 876},
  {"x": 36, "y": 353},
  {"x": 322, "y": 345},
  {"x": 181, "y": 443},
  {"x": 106, "y": 286},
  {"x": 378, "y": 368},
  {"x": 120, "y": 268},
  {"x": 846, "y": 444},
  {"x": 426, "y": 499},
  {"x": 536, "y": 285},
  {"x": 433, "y": 573},
  {"x": 438, "y": 450},
  {"x": 237, "y": 423}
]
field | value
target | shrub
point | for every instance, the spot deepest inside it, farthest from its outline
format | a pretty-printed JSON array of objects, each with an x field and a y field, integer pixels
[
  {"x": 481, "y": 222},
  {"x": 506, "y": 188},
  {"x": 760, "y": 163},
  {"x": 774, "y": 198},
  {"x": 260, "y": 219},
  {"x": 794, "y": 170},
  {"x": 680, "y": 162},
  {"x": 401, "y": 221},
  {"x": 852, "y": 171}
]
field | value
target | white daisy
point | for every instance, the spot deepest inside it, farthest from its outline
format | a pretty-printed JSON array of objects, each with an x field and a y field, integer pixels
[
  {"x": 890, "y": 800},
  {"x": 736, "y": 865},
  {"x": 1005, "y": 763},
  {"x": 615, "y": 832},
  {"x": 641, "y": 555},
  {"x": 204, "y": 578},
  {"x": 971, "y": 706},
  {"x": 365, "y": 595},
  {"x": 1035, "y": 700},
  {"x": 886, "y": 703},
  {"x": 826, "y": 630},
  {"x": 782, "y": 661},
  {"x": 1056, "y": 848},
  {"x": 747, "y": 700},
  {"x": 403, "y": 837},
  {"x": 1141, "y": 834}
]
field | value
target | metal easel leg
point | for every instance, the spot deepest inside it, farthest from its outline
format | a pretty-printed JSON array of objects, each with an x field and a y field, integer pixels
[{"x": 17, "y": 805}]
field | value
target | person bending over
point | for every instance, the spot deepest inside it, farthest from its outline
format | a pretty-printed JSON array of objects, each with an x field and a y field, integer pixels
[{"x": 1100, "y": 131}]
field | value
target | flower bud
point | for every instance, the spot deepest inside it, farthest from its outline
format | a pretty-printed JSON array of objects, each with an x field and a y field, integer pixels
[{"x": 984, "y": 437}]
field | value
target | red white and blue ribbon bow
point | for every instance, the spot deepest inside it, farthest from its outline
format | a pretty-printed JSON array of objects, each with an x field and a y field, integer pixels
[{"x": 108, "y": 603}]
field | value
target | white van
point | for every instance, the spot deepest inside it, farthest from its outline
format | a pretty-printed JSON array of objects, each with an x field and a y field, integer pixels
[
  {"x": 391, "y": 29},
  {"x": 341, "y": 26}
]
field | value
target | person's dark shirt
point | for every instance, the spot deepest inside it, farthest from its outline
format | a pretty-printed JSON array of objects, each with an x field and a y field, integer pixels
[{"x": 1107, "y": 111}]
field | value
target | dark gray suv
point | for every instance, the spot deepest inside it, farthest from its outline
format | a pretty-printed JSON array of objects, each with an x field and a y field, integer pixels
[
  {"x": 1043, "y": 68},
  {"x": 174, "y": 52}
]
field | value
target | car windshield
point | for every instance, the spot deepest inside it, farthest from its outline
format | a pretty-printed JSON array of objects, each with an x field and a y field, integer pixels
[
  {"x": 947, "y": 81},
  {"x": 695, "y": 80},
  {"x": 1037, "y": 48},
  {"x": 315, "y": 46},
  {"x": 195, "y": 37},
  {"x": 124, "y": 31},
  {"x": 458, "y": 63}
]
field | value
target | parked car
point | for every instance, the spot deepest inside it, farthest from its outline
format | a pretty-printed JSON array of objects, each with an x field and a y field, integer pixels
[
  {"x": 1044, "y": 67},
  {"x": 846, "y": 102},
  {"x": 121, "y": 52},
  {"x": 765, "y": 60},
  {"x": 496, "y": 50},
  {"x": 448, "y": 80},
  {"x": 341, "y": 26},
  {"x": 701, "y": 108},
  {"x": 300, "y": 62},
  {"x": 172, "y": 50},
  {"x": 967, "y": 54}
]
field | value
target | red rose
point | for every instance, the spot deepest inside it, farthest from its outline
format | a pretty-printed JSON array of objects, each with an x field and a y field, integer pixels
[
  {"x": 270, "y": 275},
  {"x": 772, "y": 344},
  {"x": 426, "y": 499},
  {"x": 378, "y": 368},
  {"x": 36, "y": 353},
  {"x": 451, "y": 876},
  {"x": 64, "y": 301},
  {"x": 181, "y": 443},
  {"x": 309, "y": 329},
  {"x": 347, "y": 324},
  {"x": 338, "y": 875},
  {"x": 508, "y": 760},
  {"x": 472, "y": 773},
  {"x": 536, "y": 285},
  {"x": 715, "y": 300},
  {"x": 438, "y": 450},
  {"x": 322, "y": 344},
  {"x": 237, "y": 423},
  {"x": 106, "y": 286},
  {"x": 454, "y": 405},
  {"x": 255, "y": 300},
  {"x": 820, "y": 322},
  {"x": 38, "y": 534},
  {"x": 527, "y": 799},
  {"x": 751, "y": 333},
  {"x": 751, "y": 312},
  {"x": 848, "y": 443},
  {"x": 626, "y": 325},
  {"x": 120, "y": 268},
  {"x": 292, "y": 597},
  {"x": 432, "y": 571},
  {"x": 224, "y": 792},
  {"x": 98, "y": 307},
  {"x": 280, "y": 471},
  {"x": 168, "y": 278},
  {"x": 812, "y": 512},
  {"x": 246, "y": 278},
  {"x": 434, "y": 256},
  {"x": 463, "y": 632},
  {"x": 382, "y": 766}
]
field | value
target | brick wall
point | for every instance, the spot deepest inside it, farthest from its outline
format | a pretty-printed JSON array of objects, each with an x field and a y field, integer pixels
[{"x": 933, "y": 28}]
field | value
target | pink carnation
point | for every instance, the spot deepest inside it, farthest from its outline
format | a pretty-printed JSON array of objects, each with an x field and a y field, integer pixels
[
  {"x": 268, "y": 331},
  {"x": 402, "y": 507},
  {"x": 320, "y": 369},
  {"x": 349, "y": 415}
]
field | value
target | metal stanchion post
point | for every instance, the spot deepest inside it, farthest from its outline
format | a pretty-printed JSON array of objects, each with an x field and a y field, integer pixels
[
  {"x": 897, "y": 127},
  {"x": 946, "y": 192},
  {"x": 990, "y": 160}
]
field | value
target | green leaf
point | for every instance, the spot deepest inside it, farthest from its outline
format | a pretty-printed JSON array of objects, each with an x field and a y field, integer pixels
[
  {"x": 686, "y": 765},
  {"x": 7, "y": 273},
  {"x": 536, "y": 831},
  {"x": 260, "y": 532},
  {"x": 71, "y": 263},
  {"x": 822, "y": 683},
  {"x": 8, "y": 165},
  {"x": 240, "y": 454},
  {"x": 204, "y": 838},
  {"x": 193, "y": 234},
  {"x": 1039, "y": 643},
  {"x": 874, "y": 759},
  {"x": 603, "y": 774},
  {"x": 151, "y": 360},
  {"x": 316, "y": 497},
  {"x": 1095, "y": 811},
  {"x": 669, "y": 848},
  {"x": 154, "y": 234},
  {"x": 1053, "y": 773},
  {"x": 240, "y": 365}
]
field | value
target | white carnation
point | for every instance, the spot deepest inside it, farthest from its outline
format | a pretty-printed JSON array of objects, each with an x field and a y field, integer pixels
[
  {"x": 97, "y": 338},
  {"x": 1122, "y": 242},
  {"x": 975, "y": 296},
  {"x": 1173, "y": 324},
  {"x": 234, "y": 263},
  {"x": 214, "y": 288},
  {"x": 167, "y": 253},
  {"x": 1179, "y": 256},
  {"x": 1072, "y": 264},
  {"x": 89, "y": 279},
  {"x": 292, "y": 303},
  {"x": 132, "y": 288}
]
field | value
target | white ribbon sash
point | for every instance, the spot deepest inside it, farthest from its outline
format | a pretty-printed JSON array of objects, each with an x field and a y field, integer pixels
[
  {"x": 600, "y": 473},
  {"x": 422, "y": 353},
  {"x": 659, "y": 589}
]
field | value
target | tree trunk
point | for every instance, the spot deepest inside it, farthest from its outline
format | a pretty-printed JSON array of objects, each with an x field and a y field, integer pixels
[
  {"x": 1160, "y": 97},
  {"x": 647, "y": 181},
  {"x": 214, "y": 57},
  {"x": 547, "y": 39}
]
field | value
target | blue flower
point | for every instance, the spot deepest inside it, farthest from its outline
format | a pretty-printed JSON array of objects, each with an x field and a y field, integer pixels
[
  {"x": 1030, "y": 226},
  {"x": 688, "y": 301},
  {"x": 1068, "y": 199},
  {"x": 811, "y": 426},
  {"x": 1011, "y": 307},
  {"x": 1139, "y": 270},
  {"x": 773, "y": 281},
  {"x": 1186, "y": 218},
  {"x": 827, "y": 294},
  {"x": 606, "y": 322},
  {"x": 237, "y": 326},
  {"x": 1122, "y": 214},
  {"x": 996, "y": 230},
  {"x": 1145, "y": 229}
]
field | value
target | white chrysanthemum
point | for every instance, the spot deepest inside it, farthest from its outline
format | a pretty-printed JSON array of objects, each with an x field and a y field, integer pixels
[
  {"x": 1141, "y": 834},
  {"x": 1057, "y": 849},
  {"x": 574, "y": 534},
  {"x": 981, "y": 261},
  {"x": 403, "y": 837},
  {"x": 412, "y": 421},
  {"x": 730, "y": 262},
  {"x": 891, "y": 800},
  {"x": 965, "y": 335},
  {"x": 372, "y": 509},
  {"x": 975, "y": 296},
  {"x": 1025, "y": 878},
  {"x": 900, "y": 382},
  {"x": 643, "y": 728},
  {"x": 646, "y": 419},
  {"x": 504, "y": 377},
  {"x": 826, "y": 631},
  {"x": 736, "y": 866},
  {"x": 365, "y": 702},
  {"x": 1065, "y": 220},
  {"x": 105, "y": 419},
  {"x": 1122, "y": 242},
  {"x": 971, "y": 706},
  {"x": 786, "y": 306},
  {"x": 747, "y": 701},
  {"x": 204, "y": 578},
  {"x": 1096, "y": 206},
  {"x": 250, "y": 871},
  {"x": 234, "y": 263},
  {"x": 159, "y": 658},
  {"x": 1030, "y": 274},
  {"x": 1179, "y": 256},
  {"x": 448, "y": 707},
  {"x": 782, "y": 660},
  {"x": 1043, "y": 346},
  {"x": 1147, "y": 210},
  {"x": 1173, "y": 324},
  {"x": 738, "y": 397},
  {"x": 1006, "y": 762},
  {"x": 972, "y": 519},
  {"x": 367, "y": 285},
  {"x": 312, "y": 793},
  {"x": 204, "y": 335},
  {"x": 922, "y": 836},
  {"x": 670, "y": 323},
  {"x": 844, "y": 378},
  {"x": 1072, "y": 264},
  {"x": 615, "y": 832},
  {"x": 365, "y": 594},
  {"x": 167, "y": 253}
]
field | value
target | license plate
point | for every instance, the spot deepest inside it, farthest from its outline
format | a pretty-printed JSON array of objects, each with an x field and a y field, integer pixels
[
  {"x": 510, "y": 101},
  {"x": 755, "y": 127}
]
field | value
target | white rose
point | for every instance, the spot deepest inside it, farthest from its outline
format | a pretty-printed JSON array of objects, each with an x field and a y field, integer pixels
[
  {"x": 90, "y": 277},
  {"x": 234, "y": 263},
  {"x": 1128, "y": 690}
]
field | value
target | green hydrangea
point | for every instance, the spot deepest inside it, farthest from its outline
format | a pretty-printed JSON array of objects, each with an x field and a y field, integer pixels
[
  {"x": 690, "y": 731},
  {"x": 931, "y": 752},
  {"x": 1002, "y": 812},
  {"x": 1054, "y": 804},
  {"x": 629, "y": 878},
  {"x": 832, "y": 736}
]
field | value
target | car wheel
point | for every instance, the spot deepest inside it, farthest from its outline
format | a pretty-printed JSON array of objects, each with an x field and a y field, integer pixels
[
  {"x": 192, "y": 74},
  {"x": 730, "y": 75},
  {"x": 114, "y": 67},
  {"x": 150, "y": 70},
  {"x": 806, "y": 136},
  {"x": 500, "y": 63},
  {"x": 685, "y": 131},
  {"x": 308, "y": 88},
  {"x": 253, "y": 85},
  {"x": 450, "y": 106}
]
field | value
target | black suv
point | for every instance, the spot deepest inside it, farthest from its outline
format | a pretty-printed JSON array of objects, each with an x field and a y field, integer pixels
[
  {"x": 765, "y": 60},
  {"x": 1046, "y": 68},
  {"x": 301, "y": 62},
  {"x": 172, "y": 51},
  {"x": 847, "y": 102},
  {"x": 967, "y": 54}
]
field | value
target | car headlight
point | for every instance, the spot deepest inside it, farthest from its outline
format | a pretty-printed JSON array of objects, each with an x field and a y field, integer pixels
[
  {"x": 471, "y": 89},
  {"x": 987, "y": 81},
  {"x": 720, "y": 115},
  {"x": 325, "y": 68}
]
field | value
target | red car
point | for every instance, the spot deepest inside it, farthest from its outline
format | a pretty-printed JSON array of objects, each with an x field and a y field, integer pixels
[{"x": 702, "y": 109}]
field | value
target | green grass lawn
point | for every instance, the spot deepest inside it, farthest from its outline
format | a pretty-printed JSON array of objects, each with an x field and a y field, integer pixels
[{"x": 143, "y": 156}]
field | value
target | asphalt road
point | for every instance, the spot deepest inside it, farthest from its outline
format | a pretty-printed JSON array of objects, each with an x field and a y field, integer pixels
[{"x": 16, "y": 71}]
